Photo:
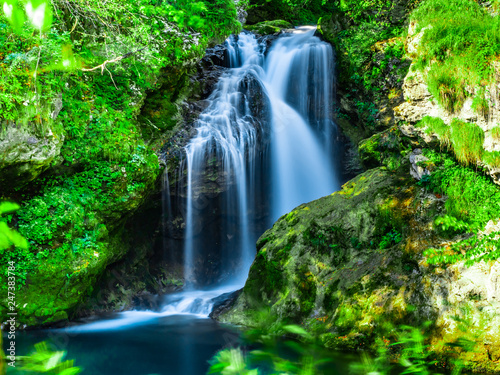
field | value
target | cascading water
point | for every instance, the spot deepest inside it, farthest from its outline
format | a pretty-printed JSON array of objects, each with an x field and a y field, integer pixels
[
  {"x": 280, "y": 156},
  {"x": 299, "y": 81},
  {"x": 226, "y": 146}
]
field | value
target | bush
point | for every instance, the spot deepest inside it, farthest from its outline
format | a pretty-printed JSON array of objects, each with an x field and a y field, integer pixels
[
  {"x": 472, "y": 197},
  {"x": 473, "y": 200}
]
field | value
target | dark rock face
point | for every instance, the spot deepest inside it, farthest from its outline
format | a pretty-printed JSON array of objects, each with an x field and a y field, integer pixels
[{"x": 224, "y": 303}]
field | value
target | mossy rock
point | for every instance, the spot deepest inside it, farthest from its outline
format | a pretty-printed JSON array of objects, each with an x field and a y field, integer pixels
[
  {"x": 323, "y": 255},
  {"x": 349, "y": 267},
  {"x": 387, "y": 148},
  {"x": 330, "y": 26},
  {"x": 269, "y": 27}
]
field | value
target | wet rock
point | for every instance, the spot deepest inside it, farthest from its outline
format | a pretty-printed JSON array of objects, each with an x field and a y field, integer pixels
[
  {"x": 416, "y": 171},
  {"x": 269, "y": 27},
  {"x": 224, "y": 303},
  {"x": 216, "y": 55},
  {"x": 241, "y": 9},
  {"x": 330, "y": 26}
]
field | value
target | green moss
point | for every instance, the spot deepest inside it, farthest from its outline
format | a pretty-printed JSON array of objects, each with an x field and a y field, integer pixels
[
  {"x": 269, "y": 27},
  {"x": 386, "y": 148},
  {"x": 305, "y": 285}
]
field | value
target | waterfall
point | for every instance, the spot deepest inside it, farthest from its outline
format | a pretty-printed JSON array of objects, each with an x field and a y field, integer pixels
[
  {"x": 299, "y": 80},
  {"x": 266, "y": 137},
  {"x": 264, "y": 144}
]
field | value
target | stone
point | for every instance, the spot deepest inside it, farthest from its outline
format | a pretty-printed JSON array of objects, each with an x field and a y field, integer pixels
[
  {"x": 25, "y": 154},
  {"x": 269, "y": 27},
  {"x": 416, "y": 171},
  {"x": 322, "y": 266}
]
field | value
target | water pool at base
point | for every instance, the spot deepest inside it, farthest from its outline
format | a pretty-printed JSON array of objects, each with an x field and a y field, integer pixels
[{"x": 172, "y": 345}]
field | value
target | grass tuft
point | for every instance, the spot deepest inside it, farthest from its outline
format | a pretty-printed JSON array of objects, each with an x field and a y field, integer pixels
[
  {"x": 495, "y": 133},
  {"x": 467, "y": 140}
]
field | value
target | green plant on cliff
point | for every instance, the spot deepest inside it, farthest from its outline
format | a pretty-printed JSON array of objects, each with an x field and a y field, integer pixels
[
  {"x": 459, "y": 44},
  {"x": 435, "y": 125},
  {"x": 473, "y": 201},
  {"x": 467, "y": 140},
  {"x": 492, "y": 158}
]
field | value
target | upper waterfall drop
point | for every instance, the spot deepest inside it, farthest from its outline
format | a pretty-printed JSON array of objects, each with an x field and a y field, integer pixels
[{"x": 299, "y": 78}]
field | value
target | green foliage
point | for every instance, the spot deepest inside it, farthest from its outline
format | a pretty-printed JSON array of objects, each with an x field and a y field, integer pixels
[
  {"x": 473, "y": 200},
  {"x": 495, "y": 133},
  {"x": 467, "y": 140},
  {"x": 66, "y": 221},
  {"x": 45, "y": 361},
  {"x": 458, "y": 47},
  {"x": 230, "y": 362},
  {"x": 472, "y": 197},
  {"x": 306, "y": 359},
  {"x": 8, "y": 236},
  {"x": 415, "y": 356},
  {"x": 358, "y": 42},
  {"x": 390, "y": 239}
]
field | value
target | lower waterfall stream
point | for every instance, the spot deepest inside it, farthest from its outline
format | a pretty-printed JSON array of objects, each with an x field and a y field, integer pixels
[{"x": 268, "y": 137}]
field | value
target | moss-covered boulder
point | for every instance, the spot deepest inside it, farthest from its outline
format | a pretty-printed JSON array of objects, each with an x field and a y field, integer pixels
[
  {"x": 25, "y": 154},
  {"x": 330, "y": 26},
  {"x": 269, "y": 27},
  {"x": 349, "y": 266},
  {"x": 386, "y": 148}
]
